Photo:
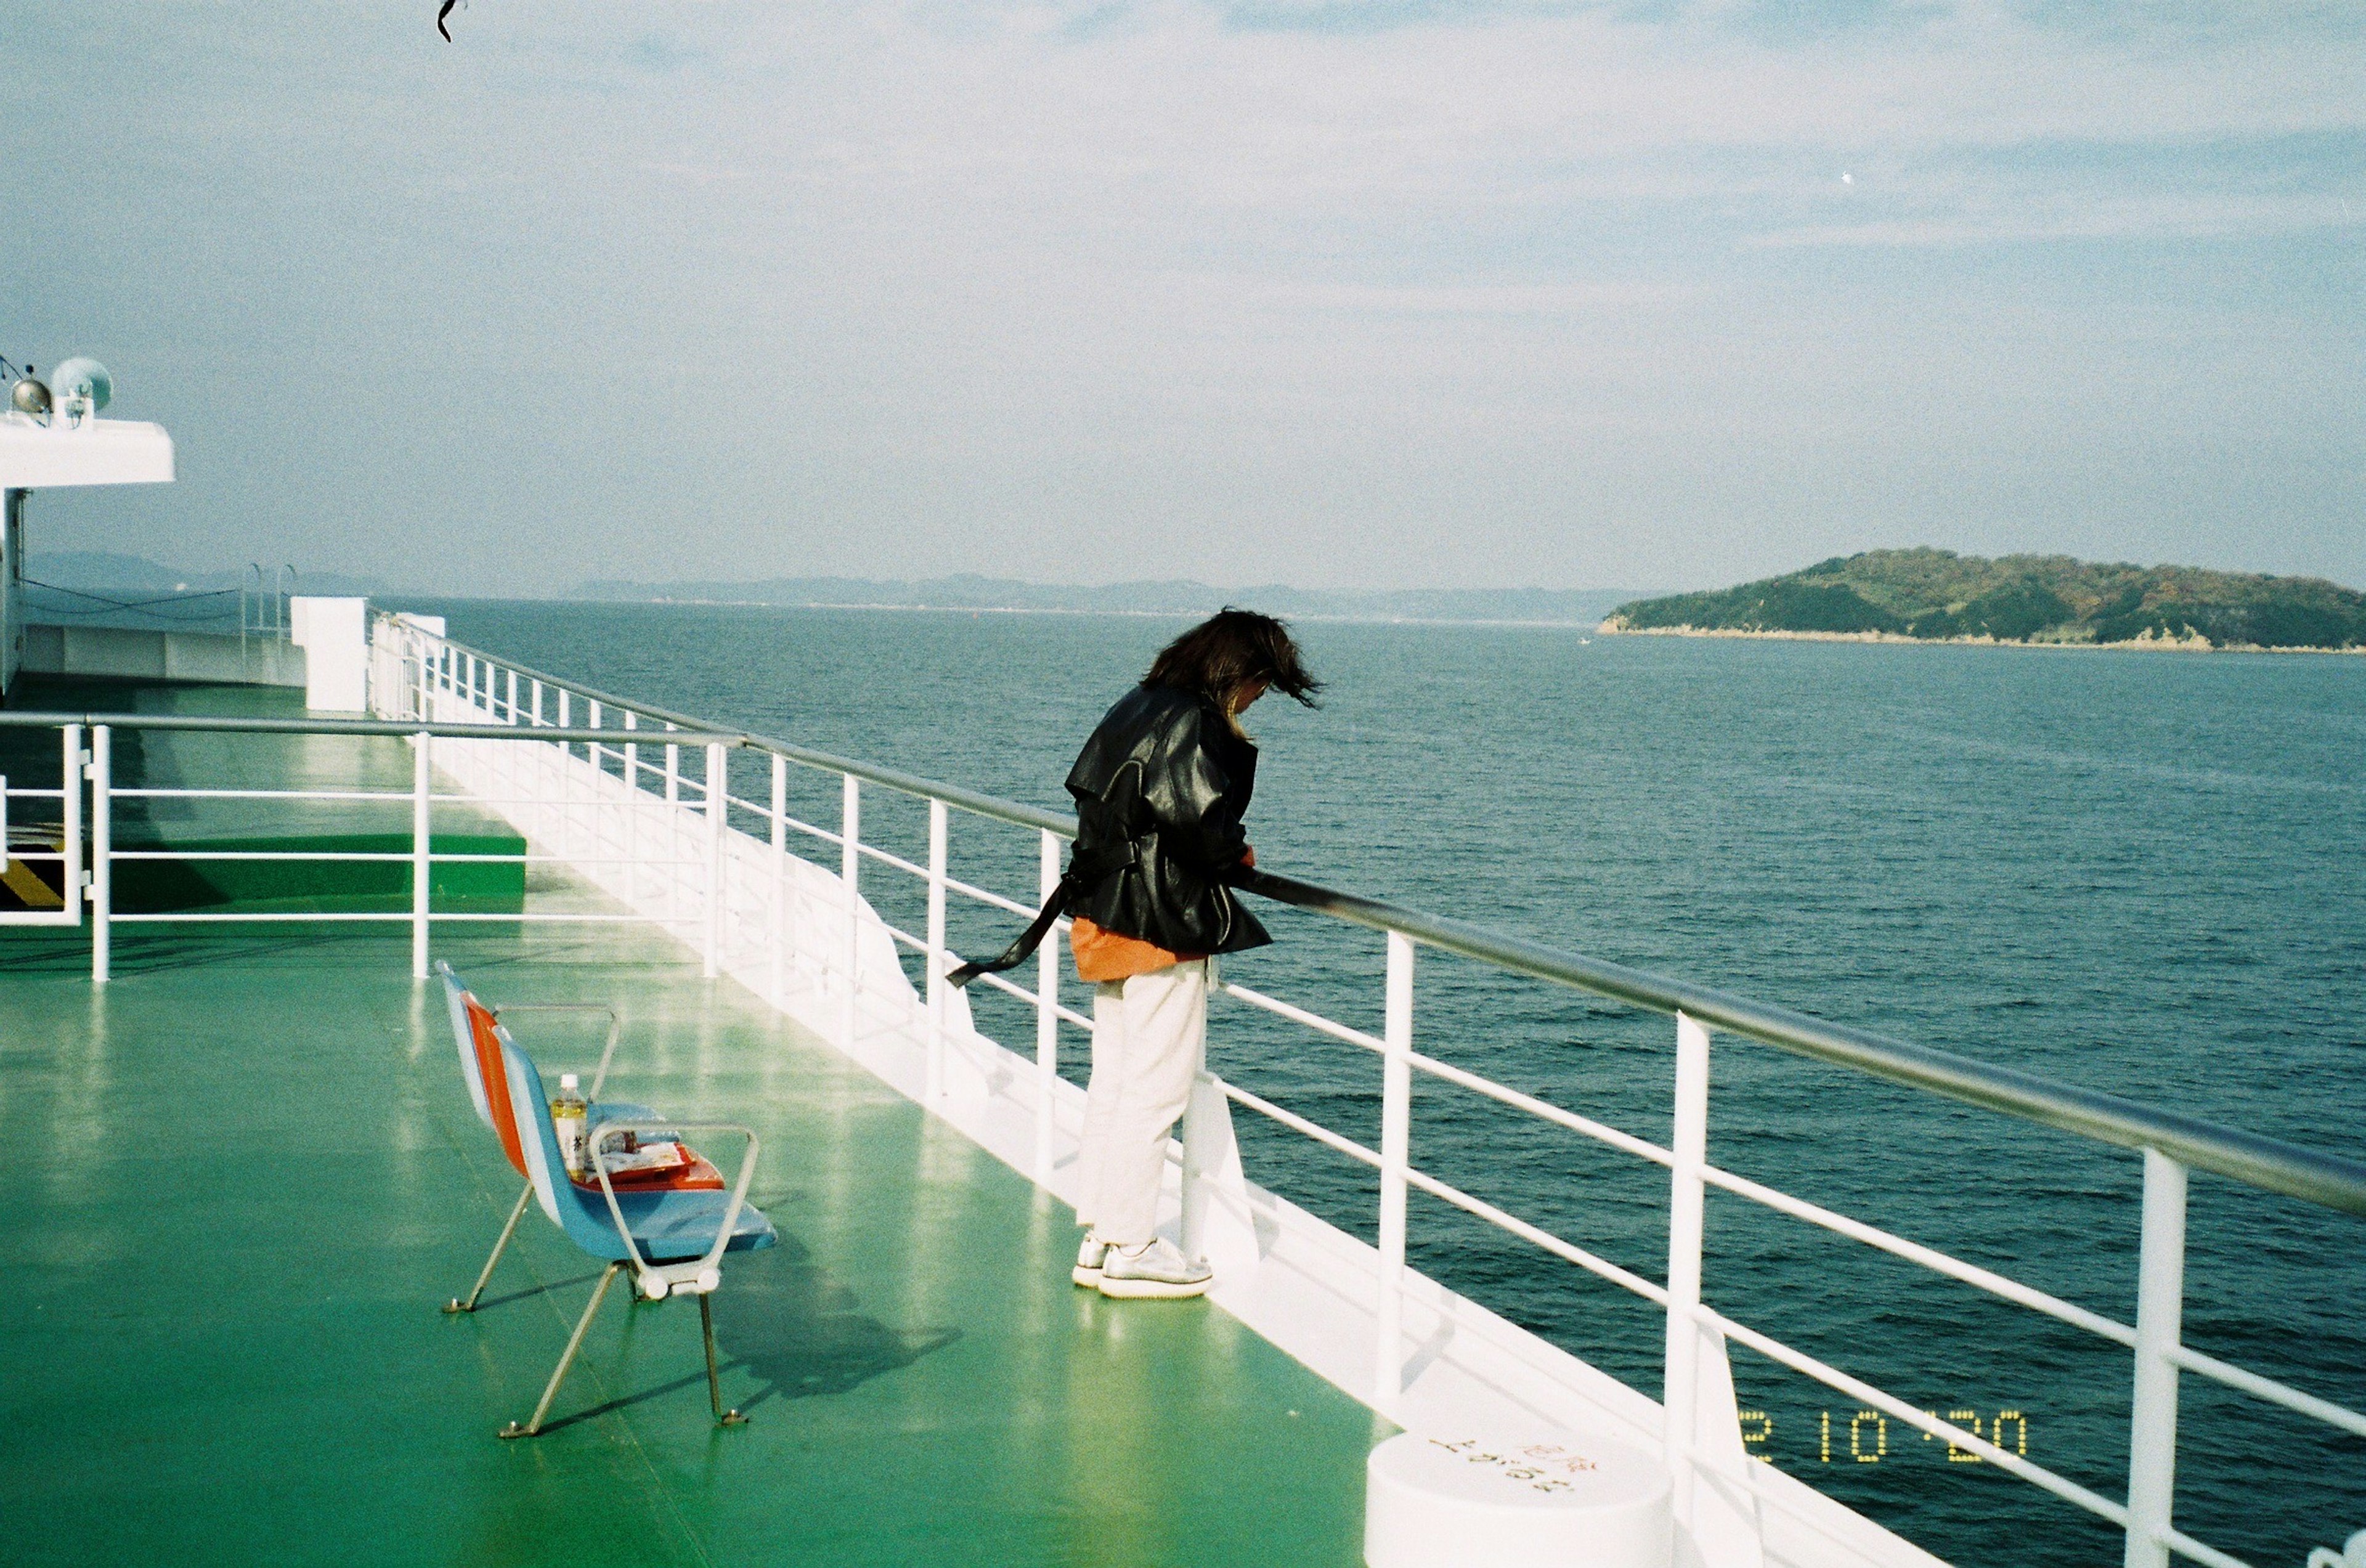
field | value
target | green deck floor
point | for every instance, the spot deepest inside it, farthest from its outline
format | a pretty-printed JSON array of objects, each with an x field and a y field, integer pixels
[{"x": 247, "y": 1174}]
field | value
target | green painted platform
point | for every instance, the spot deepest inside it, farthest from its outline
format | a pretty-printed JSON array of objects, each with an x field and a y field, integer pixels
[{"x": 247, "y": 1175}]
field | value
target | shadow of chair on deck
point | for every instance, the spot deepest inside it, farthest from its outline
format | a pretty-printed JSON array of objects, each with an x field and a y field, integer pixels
[
  {"x": 798, "y": 1331},
  {"x": 801, "y": 1332}
]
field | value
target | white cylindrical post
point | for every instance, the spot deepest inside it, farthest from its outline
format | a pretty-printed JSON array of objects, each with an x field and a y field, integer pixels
[
  {"x": 776, "y": 935},
  {"x": 673, "y": 771},
  {"x": 537, "y": 705},
  {"x": 591, "y": 721},
  {"x": 70, "y": 775},
  {"x": 512, "y": 681},
  {"x": 566, "y": 834},
  {"x": 718, "y": 787},
  {"x": 101, "y": 850},
  {"x": 632, "y": 808},
  {"x": 422, "y": 765},
  {"x": 936, "y": 1063},
  {"x": 2160, "y": 1312},
  {"x": 1687, "y": 1196},
  {"x": 850, "y": 866},
  {"x": 1047, "y": 1011},
  {"x": 1396, "y": 1155}
]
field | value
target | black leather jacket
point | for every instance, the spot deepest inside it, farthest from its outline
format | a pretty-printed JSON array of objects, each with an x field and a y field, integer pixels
[{"x": 1161, "y": 788}]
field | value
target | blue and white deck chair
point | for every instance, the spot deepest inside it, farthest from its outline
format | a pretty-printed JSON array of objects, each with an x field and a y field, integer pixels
[
  {"x": 472, "y": 1035},
  {"x": 673, "y": 1240}
]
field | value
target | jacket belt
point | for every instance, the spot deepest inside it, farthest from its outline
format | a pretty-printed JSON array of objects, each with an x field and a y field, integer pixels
[{"x": 1088, "y": 869}]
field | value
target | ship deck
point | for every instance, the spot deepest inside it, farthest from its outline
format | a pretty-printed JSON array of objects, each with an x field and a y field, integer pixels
[{"x": 248, "y": 1176}]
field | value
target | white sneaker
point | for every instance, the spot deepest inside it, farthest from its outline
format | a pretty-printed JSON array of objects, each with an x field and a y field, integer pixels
[
  {"x": 1089, "y": 1256},
  {"x": 1156, "y": 1268}
]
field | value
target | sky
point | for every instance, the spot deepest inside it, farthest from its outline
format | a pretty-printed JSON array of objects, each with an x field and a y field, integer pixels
[{"x": 1407, "y": 293}]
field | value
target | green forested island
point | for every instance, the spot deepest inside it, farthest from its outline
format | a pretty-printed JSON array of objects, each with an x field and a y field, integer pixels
[{"x": 1937, "y": 595}]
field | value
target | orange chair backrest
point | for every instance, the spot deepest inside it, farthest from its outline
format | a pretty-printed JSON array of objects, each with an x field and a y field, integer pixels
[{"x": 497, "y": 1078}]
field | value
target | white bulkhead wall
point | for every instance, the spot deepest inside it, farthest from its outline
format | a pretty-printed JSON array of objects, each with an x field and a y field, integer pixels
[{"x": 334, "y": 635}]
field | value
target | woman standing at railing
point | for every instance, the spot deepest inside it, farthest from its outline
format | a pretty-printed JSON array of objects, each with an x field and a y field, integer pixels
[{"x": 1161, "y": 789}]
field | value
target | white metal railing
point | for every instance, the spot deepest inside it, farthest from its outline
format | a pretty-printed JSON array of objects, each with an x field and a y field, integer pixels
[
  {"x": 17, "y": 823},
  {"x": 582, "y": 786},
  {"x": 755, "y": 896},
  {"x": 2146, "y": 1515},
  {"x": 263, "y": 613}
]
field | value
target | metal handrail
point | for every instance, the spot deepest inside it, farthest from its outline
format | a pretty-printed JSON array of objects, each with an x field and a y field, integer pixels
[
  {"x": 975, "y": 802},
  {"x": 26, "y": 719},
  {"x": 2316, "y": 1175}
]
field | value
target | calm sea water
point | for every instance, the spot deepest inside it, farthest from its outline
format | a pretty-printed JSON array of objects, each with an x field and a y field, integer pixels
[{"x": 2135, "y": 871}]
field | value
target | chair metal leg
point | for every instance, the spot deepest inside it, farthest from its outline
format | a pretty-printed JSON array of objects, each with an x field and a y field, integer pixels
[
  {"x": 574, "y": 1344},
  {"x": 517, "y": 1212},
  {"x": 714, "y": 1390}
]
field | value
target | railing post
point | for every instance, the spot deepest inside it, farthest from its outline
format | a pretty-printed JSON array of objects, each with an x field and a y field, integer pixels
[
  {"x": 718, "y": 789},
  {"x": 70, "y": 871},
  {"x": 101, "y": 850},
  {"x": 776, "y": 935},
  {"x": 1047, "y": 1011},
  {"x": 1396, "y": 1155},
  {"x": 537, "y": 705},
  {"x": 673, "y": 771},
  {"x": 849, "y": 870},
  {"x": 566, "y": 835},
  {"x": 936, "y": 1064},
  {"x": 1686, "y": 1200},
  {"x": 632, "y": 808},
  {"x": 513, "y": 676},
  {"x": 2161, "y": 1311},
  {"x": 422, "y": 765}
]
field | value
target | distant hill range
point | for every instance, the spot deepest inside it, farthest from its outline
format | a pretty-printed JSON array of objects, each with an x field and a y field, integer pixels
[
  {"x": 1937, "y": 595},
  {"x": 1177, "y": 597},
  {"x": 78, "y": 575}
]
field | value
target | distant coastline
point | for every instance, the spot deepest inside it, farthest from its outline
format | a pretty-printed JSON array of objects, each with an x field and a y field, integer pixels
[
  {"x": 71, "y": 578},
  {"x": 1581, "y": 608},
  {"x": 868, "y": 606},
  {"x": 1930, "y": 595},
  {"x": 1613, "y": 626}
]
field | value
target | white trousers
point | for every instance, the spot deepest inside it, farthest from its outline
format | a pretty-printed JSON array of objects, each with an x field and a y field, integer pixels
[{"x": 1149, "y": 1034}]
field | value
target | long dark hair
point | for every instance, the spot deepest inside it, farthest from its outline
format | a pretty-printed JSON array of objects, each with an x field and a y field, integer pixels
[{"x": 1227, "y": 651}]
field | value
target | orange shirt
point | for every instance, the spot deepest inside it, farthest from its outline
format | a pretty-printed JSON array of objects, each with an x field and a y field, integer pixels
[{"x": 1104, "y": 957}]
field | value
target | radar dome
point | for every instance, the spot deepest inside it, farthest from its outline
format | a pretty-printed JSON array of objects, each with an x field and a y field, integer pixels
[{"x": 82, "y": 378}]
